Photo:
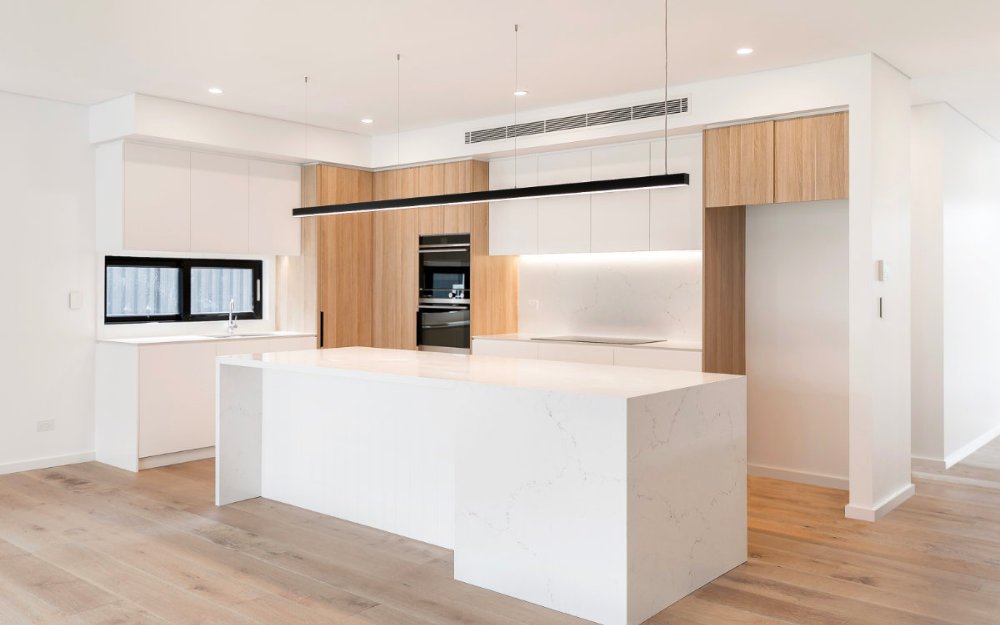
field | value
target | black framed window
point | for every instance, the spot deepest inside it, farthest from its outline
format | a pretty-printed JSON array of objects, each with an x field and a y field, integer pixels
[{"x": 140, "y": 290}]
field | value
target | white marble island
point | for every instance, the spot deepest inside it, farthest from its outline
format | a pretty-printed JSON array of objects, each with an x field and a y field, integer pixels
[{"x": 607, "y": 493}]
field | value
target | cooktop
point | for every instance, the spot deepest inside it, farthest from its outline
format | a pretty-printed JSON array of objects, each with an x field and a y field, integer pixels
[{"x": 597, "y": 339}]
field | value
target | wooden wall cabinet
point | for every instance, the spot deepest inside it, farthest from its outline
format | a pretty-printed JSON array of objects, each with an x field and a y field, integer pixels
[
  {"x": 811, "y": 158},
  {"x": 739, "y": 165}
]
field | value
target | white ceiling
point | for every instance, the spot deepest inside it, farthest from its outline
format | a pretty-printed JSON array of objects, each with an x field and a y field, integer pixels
[{"x": 458, "y": 54}]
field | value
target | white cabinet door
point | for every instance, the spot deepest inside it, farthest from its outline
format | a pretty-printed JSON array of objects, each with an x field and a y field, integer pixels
[
  {"x": 505, "y": 349},
  {"x": 564, "y": 224},
  {"x": 619, "y": 222},
  {"x": 675, "y": 215},
  {"x": 514, "y": 228},
  {"x": 620, "y": 161},
  {"x": 219, "y": 203},
  {"x": 156, "y": 199},
  {"x": 682, "y": 360},
  {"x": 176, "y": 397},
  {"x": 574, "y": 352},
  {"x": 275, "y": 189},
  {"x": 561, "y": 167},
  {"x": 502, "y": 172}
]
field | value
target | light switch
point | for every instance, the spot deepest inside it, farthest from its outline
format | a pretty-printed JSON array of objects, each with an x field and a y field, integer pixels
[{"x": 75, "y": 300}]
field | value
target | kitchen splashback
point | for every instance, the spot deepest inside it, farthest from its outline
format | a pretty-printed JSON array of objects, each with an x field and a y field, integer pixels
[{"x": 647, "y": 294}]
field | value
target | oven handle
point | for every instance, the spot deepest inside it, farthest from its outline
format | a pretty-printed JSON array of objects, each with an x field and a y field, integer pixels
[
  {"x": 463, "y": 248},
  {"x": 450, "y": 324}
]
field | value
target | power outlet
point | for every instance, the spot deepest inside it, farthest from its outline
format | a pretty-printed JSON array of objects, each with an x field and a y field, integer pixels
[
  {"x": 46, "y": 425},
  {"x": 533, "y": 304}
]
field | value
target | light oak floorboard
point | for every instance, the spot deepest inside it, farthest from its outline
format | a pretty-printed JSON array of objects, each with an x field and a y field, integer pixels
[{"x": 91, "y": 545}]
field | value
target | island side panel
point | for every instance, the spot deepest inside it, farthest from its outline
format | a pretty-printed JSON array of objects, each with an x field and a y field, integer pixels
[
  {"x": 379, "y": 452},
  {"x": 540, "y": 499},
  {"x": 238, "y": 413},
  {"x": 686, "y": 492}
]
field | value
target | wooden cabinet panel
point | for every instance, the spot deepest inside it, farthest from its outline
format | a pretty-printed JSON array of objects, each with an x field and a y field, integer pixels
[
  {"x": 394, "y": 305},
  {"x": 438, "y": 179},
  {"x": 494, "y": 279},
  {"x": 343, "y": 257},
  {"x": 739, "y": 164},
  {"x": 811, "y": 158},
  {"x": 724, "y": 290},
  {"x": 156, "y": 199}
]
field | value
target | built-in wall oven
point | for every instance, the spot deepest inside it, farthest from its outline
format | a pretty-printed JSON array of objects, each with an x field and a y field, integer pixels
[{"x": 443, "y": 319}]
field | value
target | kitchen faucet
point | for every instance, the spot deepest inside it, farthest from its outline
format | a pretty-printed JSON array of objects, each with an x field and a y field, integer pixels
[{"x": 231, "y": 324}]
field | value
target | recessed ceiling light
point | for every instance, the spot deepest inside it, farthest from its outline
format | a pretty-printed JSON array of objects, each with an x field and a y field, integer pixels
[
  {"x": 520, "y": 92},
  {"x": 215, "y": 90},
  {"x": 744, "y": 51},
  {"x": 367, "y": 120}
]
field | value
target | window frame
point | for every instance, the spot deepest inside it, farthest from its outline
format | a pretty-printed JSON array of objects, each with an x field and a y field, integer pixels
[{"x": 184, "y": 265}]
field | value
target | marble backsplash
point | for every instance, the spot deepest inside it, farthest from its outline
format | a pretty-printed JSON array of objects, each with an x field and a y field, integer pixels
[{"x": 636, "y": 294}]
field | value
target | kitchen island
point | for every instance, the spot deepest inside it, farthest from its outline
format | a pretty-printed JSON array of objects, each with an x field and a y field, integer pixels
[{"x": 604, "y": 492}]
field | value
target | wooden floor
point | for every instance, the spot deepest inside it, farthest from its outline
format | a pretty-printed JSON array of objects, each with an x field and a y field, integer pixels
[{"x": 87, "y": 544}]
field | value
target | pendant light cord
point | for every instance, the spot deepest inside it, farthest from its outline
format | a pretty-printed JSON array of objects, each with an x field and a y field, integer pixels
[
  {"x": 397, "y": 108},
  {"x": 305, "y": 110},
  {"x": 666, "y": 78},
  {"x": 516, "y": 87}
]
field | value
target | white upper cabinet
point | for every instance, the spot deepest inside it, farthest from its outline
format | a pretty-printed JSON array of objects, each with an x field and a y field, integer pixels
[
  {"x": 564, "y": 222},
  {"x": 626, "y": 221},
  {"x": 675, "y": 215},
  {"x": 275, "y": 189},
  {"x": 620, "y": 161},
  {"x": 514, "y": 225},
  {"x": 619, "y": 221},
  {"x": 219, "y": 203},
  {"x": 152, "y": 198},
  {"x": 156, "y": 198}
]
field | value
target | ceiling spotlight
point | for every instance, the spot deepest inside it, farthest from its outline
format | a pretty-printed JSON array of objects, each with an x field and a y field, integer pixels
[
  {"x": 367, "y": 120},
  {"x": 744, "y": 51},
  {"x": 215, "y": 90},
  {"x": 520, "y": 92}
]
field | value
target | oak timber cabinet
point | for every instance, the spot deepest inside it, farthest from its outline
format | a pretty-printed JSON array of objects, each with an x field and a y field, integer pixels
[
  {"x": 367, "y": 263},
  {"x": 799, "y": 159}
]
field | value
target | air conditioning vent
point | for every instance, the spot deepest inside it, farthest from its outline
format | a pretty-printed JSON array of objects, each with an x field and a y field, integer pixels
[{"x": 598, "y": 118}]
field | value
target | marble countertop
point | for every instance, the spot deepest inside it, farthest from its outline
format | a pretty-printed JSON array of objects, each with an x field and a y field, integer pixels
[
  {"x": 437, "y": 368},
  {"x": 199, "y": 338},
  {"x": 668, "y": 344}
]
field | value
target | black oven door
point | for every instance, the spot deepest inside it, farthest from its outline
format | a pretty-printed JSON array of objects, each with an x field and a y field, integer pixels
[{"x": 441, "y": 328}]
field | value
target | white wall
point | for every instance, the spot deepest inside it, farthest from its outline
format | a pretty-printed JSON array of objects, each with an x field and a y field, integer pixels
[
  {"x": 634, "y": 294},
  {"x": 956, "y": 219},
  {"x": 797, "y": 342},
  {"x": 46, "y": 251}
]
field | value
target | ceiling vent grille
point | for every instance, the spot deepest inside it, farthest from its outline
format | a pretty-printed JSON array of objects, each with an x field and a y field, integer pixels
[{"x": 612, "y": 116}]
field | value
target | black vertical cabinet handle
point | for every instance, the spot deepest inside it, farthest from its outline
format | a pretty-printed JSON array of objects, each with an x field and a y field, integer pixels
[{"x": 321, "y": 328}]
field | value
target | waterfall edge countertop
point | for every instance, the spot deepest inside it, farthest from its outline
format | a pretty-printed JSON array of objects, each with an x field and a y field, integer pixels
[
  {"x": 603, "y": 492},
  {"x": 568, "y": 377}
]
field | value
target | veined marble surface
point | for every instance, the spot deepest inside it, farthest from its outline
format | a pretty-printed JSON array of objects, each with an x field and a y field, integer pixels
[
  {"x": 431, "y": 367},
  {"x": 603, "y": 492},
  {"x": 644, "y": 294}
]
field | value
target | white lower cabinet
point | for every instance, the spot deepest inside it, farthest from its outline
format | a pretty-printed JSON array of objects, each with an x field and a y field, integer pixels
[
  {"x": 653, "y": 358},
  {"x": 577, "y": 352},
  {"x": 155, "y": 402}
]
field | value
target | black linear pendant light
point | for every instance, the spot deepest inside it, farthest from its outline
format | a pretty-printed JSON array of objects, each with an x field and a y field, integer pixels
[{"x": 638, "y": 183}]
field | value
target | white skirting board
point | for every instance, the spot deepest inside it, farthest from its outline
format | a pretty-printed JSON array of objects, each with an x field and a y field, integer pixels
[
  {"x": 962, "y": 452},
  {"x": 46, "y": 463},
  {"x": 178, "y": 457},
  {"x": 883, "y": 508},
  {"x": 800, "y": 477}
]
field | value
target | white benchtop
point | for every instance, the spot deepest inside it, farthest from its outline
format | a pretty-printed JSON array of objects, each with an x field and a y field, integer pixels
[
  {"x": 668, "y": 344},
  {"x": 568, "y": 377},
  {"x": 199, "y": 338}
]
